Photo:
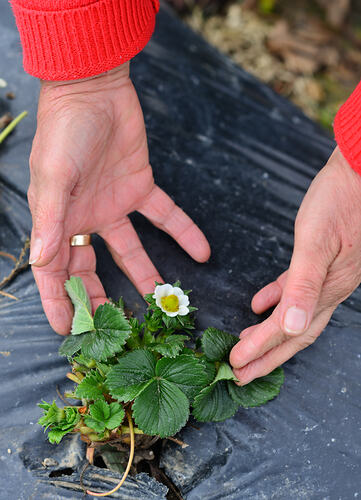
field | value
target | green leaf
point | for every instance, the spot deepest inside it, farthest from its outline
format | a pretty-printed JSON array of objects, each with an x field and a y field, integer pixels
[
  {"x": 52, "y": 414},
  {"x": 225, "y": 373},
  {"x": 133, "y": 341},
  {"x": 259, "y": 391},
  {"x": 185, "y": 371},
  {"x": 171, "y": 347},
  {"x": 83, "y": 361},
  {"x": 56, "y": 435},
  {"x": 214, "y": 404},
  {"x": 82, "y": 320},
  {"x": 44, "y": 405},
  {"x": 112, "y": 331},
  {"x": 71, "y": 345},
  {"x": 104, "y": 416},
  {"x": 148, "y": 338},
  {"x": 161, "y": 409},
  {"x": 217, "y": 344},
  {"x": 94, "y": 424},
  {"x": 60, "y": 420},
  {"x": 103, "y": 367},
  {"x": 92, "y": 386},
  {"x": 116, "y": 417},
  {"x": 209, "y": 368},
  {"x": 100, "y": 410},
  {"x": 131, "y": 375}
]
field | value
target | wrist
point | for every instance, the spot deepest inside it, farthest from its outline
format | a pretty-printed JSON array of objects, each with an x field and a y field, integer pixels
[
  {"x": 340, "y": 166},
  {"x": 116, "y": 76}
]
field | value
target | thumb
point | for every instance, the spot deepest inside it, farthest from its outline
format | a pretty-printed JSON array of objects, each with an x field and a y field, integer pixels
[
  {"x": 48, "y": 207},
  {"x": 305, "y": 279}
]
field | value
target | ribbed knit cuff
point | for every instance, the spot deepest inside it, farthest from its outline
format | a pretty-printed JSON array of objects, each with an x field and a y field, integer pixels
[
  {"x": 72, "y": 39},
  {"x": 347, "y": 128}
]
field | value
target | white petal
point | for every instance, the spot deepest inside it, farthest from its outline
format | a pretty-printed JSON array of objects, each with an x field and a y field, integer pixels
[
  {"x": 184, "y": 300},
  {"x": 163, "y": 290},
  {"x": 178, "y": 291},
  {"x": 171, "y": 314},
  {"x": 183, "y": 310},
  {"x": 158, "y": 301}
]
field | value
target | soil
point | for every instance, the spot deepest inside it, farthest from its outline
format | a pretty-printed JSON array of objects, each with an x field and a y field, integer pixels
[{"x": 307, "y": 50}]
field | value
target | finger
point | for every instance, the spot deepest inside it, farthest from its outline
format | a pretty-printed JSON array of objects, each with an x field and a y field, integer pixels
[
  {"x": 48, "y": 202},
  {"x": 280, "y": 354},
  {"x": 161, "y": 210},
  {"x": 269, "y": 296},
  {"x": 247, "y": 331},
  {"x": 257, "y": 342},
  {"x": 83, "y": 264},
  {"x": 129, "y": 254},
  {"x": 305, "y": 279},
  {"x": 50, "y": 280}
]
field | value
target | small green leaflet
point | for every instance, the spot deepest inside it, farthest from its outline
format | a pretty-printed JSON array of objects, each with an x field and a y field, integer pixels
[
  {"x": 111, "y": 332},
  {"x": 225, "y": 373},
  {"x": 171, "y": 347},
  {"x": 217, "y": 344},
  {"x": 52, "y": 414},
  {"x": 131, "y": 375},
  {"x": 161, "y": 409},
  {"x": 82, "y": 320},
  {"x": 55, "y": 435},
  {"x": 60, "y": 421},
  {"x": 92, "y": 386},
  {"x": 259, "y": 391},
  {"x": 104, "y": 416}
]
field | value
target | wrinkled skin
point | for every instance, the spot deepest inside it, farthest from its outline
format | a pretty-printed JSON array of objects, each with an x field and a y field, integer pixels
[
  {"x": 325, "y": 269},
  {"x": 89, "y": 169}
]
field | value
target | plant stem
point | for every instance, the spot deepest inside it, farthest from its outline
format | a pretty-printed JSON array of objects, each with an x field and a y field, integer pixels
[
  {"x": 130, "y": 461},
  {"x": 11, "y": 126}
]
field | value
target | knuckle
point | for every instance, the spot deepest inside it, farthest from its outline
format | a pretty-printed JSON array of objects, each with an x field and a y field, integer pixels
[
  {"x": 306, "y": 287},
  {"x": 49, "y": 216},
  {"x": 319, "y": 240},
  {"x": 305, "y": 341}
]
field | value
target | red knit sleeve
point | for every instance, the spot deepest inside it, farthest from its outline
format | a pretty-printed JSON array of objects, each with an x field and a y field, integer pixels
[
  {"x": 347, "y": 127},
  {"x": 71, "y": 39}
]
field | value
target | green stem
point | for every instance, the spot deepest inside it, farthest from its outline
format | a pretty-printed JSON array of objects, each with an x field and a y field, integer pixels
[{"x": 11, "y": 126}]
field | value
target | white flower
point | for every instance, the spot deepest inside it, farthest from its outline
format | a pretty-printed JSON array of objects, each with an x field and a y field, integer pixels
[{"x": 171, "y": 300}]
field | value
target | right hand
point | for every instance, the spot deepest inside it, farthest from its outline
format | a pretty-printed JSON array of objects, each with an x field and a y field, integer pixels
[{"x": 89, "y": 169}]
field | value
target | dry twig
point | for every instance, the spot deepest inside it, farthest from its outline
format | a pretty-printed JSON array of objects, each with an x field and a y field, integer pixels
[{"x": 20, "y": 264}]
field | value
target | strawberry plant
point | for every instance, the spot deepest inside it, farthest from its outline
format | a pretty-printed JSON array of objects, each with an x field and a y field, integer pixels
[{"x": 145, "y": 378}]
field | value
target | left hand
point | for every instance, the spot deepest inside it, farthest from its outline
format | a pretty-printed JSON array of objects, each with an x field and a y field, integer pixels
[{"x": 325, "y": 269}]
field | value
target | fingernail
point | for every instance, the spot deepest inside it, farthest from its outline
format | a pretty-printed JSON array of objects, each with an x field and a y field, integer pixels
[
  {"x": 35, "y": 251},
  {"x": 295, "y": 320}
]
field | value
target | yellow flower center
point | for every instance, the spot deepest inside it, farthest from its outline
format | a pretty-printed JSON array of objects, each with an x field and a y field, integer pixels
[{"x": 170, "y": 303}]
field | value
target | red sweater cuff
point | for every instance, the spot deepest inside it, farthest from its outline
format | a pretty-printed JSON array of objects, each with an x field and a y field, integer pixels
[
  {"x": 72, "y": 39},
  {"x": 347, "y": 127}
]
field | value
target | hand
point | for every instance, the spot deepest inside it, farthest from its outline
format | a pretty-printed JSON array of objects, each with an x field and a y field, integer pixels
[
  {"x": 89, "y": 169},
  {"x": 325, "y": 269}
]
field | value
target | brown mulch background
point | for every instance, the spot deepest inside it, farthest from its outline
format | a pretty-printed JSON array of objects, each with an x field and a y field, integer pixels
[{"x": 307, "y": 50}]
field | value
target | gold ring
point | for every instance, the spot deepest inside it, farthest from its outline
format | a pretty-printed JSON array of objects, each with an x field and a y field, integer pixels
[{"x": 80, "y": 240}]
